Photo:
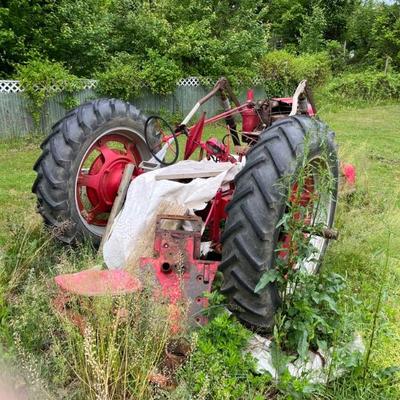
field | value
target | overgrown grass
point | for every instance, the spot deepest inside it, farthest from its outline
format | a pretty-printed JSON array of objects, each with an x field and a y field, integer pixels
[
  {"x": 369, "y": 138},
  {"x": 368, "y": 222},
  {"x": 16, "y": 200}
]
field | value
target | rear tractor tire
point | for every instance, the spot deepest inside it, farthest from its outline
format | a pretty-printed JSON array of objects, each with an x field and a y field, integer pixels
[
  {"x": 81, "y": 166},
  {"x": 252, "y": 236}
]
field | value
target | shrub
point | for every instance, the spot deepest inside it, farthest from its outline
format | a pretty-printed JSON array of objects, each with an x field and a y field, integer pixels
[
  {"x": 219, "y": 368},
  {"x": 126, "y": 75},
  {"x": 42, "y": 79},
  {"x": 160, "y": 73},
  {"x": 282, "y": 71},
  {"x": 338, "y": 56},
  {"x": 365, "y": 86},
  {"x": 313, "y": 67},
  {"x": 121, "y": 79},
  {"x": 312, "y": 30}
]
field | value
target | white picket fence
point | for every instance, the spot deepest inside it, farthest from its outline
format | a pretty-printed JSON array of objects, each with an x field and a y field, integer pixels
[
  {"x": 15, "y": 119},
  {"x": 14, "y": 86}
]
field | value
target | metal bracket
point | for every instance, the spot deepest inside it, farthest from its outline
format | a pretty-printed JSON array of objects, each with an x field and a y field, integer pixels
[{"x": 179, "y": 272}]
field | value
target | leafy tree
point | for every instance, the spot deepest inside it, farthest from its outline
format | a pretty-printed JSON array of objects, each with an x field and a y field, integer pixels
[
  {"x": 336, "y": 14},
  {"x": 374, "y": 33},
  {"x": 312, "y": 31},
  {"x": 205, "y": 38},
  {"x": 286, "y": 18},
  {"x": 121, "y": 79},
  {"x": 171, "y": 38},
  {"x": 83, "y": 33},
  {"x": 21, "y": 30},
  {"x": 43, "y": 79}
]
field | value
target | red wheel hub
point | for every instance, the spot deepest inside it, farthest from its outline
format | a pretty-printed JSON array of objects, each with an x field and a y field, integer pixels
[
  {"x": 303, "y": 204},
  {"x": 100, "y": 175}
]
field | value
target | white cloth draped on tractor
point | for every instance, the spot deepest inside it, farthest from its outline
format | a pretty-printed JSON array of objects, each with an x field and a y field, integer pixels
[{"x": 160, "y": 192}]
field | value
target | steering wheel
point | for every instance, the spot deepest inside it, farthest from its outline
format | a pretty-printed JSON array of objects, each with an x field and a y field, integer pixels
[{"x": 166, "y": 150}]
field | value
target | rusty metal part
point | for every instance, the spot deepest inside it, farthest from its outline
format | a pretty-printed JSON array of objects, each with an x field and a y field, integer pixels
[
  {"x": 176, "y": 267},
  {"x": 230, "y": 120},
  {"x": 329, "y": 233},
  {"x": 176, "y": 353},
  {"x": 222, "y": 84},
  {"x": 90, "y": 283},
  {"x": 181, "y": 275},
  {"x": 61, "y": 305},
  {"x": 310, "y": 98},
  {"x": 162, "y": 381},
  {"x": 326, "y": 233},
  {"x": 231, "y": 94},
  {"x": 264, "y": 110}
]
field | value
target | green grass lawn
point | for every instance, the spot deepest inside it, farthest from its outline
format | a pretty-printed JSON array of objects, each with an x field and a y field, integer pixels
[
  {"x": 370, "y": 138},
  {"x": 369, "y": 222},
  {"x": 16, "y": 200}
]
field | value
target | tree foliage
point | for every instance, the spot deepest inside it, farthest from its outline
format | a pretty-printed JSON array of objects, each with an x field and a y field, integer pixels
[
  {"x": 167, "y": 39},
  {"x": 312, "y": 31},
  {"x": 282, "y": 71},
  {"x": 43, "y": 79},
  {"x": 374, "y": 34},
  {"x": 186, "y": 37}
]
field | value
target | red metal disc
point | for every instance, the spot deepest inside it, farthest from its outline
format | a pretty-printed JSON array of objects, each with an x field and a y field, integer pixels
[{"x": 100, "y": 175}]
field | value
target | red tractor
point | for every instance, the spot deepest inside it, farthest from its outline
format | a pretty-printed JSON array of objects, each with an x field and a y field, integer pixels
[{"x": 83, "y": 159}]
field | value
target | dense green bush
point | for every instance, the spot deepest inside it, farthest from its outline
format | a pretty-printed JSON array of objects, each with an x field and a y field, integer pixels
[
  {"x": 121, "y": 79},
  {"x": 42, "y": 79},
  {"x": 160, "y": 73},
  {"x": 338, "y": 55},
  {"x": 219, "y": 369},
  {"x": 368, "y": 86},
  {"x": 282, "y": 71},
  {"x": 312, "y": 30},
  {"x": 373, "y": 33},
  {"x": 126, "y": 75}
]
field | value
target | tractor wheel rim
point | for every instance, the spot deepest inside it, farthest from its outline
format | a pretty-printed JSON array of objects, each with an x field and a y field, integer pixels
[
  {"x": 100, "y": 172},
  {"x": 321, "y": 212}
]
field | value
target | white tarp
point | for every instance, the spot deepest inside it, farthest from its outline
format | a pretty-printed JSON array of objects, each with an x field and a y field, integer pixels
[
  {"x": 146, "y": 194},
  {"x": 315, "y": 367}
]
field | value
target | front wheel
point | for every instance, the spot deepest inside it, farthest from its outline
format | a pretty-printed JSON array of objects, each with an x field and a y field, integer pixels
[
  {"x": 81, "y": 166},
  {"x": 293, "y": 168}
]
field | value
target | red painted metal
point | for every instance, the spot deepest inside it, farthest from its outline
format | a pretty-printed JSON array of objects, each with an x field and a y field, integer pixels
[
  {"x": 96, "y": 283},
  {"x": 289, "y": 100},
  {"x": 181, "y": 276},
  {"x": 232, "y": 111},
  {"x": 91, "y": 283},
  {"x": 179, "y": 271},
  {"x": 101, "y": 181},
  {"x": 349, "y": 173},
  {"x": 250, "y": 95},
  {"x": 217, "y": 214},
  {"x": 195, "y": 133},
  {"x": 250, "y": 118},
  {"x": 303, "y": 200}
]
